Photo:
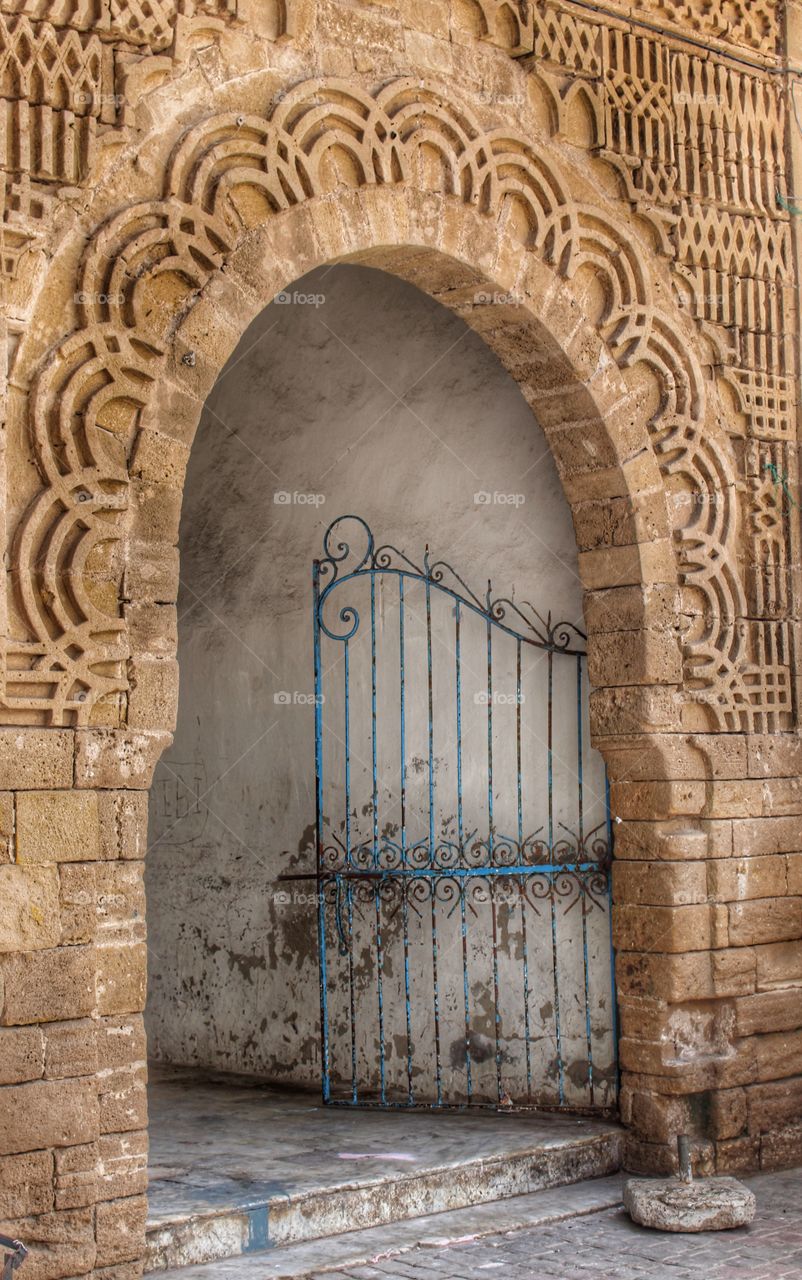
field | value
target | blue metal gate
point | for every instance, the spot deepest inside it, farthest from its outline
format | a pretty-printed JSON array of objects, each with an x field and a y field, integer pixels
[{"x": 463, "y": 843}]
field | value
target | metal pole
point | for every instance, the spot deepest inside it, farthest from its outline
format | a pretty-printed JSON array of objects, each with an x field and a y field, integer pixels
[{"x": 684, "y": 1156}]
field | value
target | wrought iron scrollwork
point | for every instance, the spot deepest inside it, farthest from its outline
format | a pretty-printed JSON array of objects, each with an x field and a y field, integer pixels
[{"x": 345, "y": 560}]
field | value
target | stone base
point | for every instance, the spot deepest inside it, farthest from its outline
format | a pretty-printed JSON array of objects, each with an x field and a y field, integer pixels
[{"x": 708, "y": 1204}]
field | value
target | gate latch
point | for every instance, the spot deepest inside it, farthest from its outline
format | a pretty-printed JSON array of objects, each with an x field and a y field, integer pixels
[{"x": 14, "y": 1259}]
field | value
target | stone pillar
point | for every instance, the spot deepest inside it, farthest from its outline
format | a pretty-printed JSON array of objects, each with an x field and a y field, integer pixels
[
  {"x": 72, "y": 989},
  {"x": 708, "y": 922}
]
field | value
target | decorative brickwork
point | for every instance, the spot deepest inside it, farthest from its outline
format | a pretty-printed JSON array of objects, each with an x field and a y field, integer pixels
[{"x": 167, "y": 169}]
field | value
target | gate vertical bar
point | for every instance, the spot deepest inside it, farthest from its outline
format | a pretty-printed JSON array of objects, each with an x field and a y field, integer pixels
[
  {"x": 461, "y": 845},
  {"x": 351, "y": 989},
  {"x": 432, "y": 847},
  {"x": 613, "y": 989},
  {"x": 404, "y": 885},
  {"x": 325, "y": 1065},
  {"x": 522, "y": 880},
  {"x": 350, "y": 942},
  {"x": 580, "y": 879},
  {"x": 491, "y": 849},
  {"x": 375, "y": 804},
  {"x": 551, "y": 878}
]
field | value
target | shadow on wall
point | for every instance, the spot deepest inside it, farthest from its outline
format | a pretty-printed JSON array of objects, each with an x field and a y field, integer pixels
[{"x": 355, "y": 392}]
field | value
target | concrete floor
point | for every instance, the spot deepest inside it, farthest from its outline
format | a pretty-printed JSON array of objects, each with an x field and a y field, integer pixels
[{"x": 237, "y": 1167}]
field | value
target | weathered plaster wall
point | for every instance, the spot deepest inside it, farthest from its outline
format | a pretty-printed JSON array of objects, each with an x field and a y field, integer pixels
[{"x": 377, "y": 401}]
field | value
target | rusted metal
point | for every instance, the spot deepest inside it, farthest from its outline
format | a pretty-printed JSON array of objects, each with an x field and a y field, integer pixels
[{"x": 15, "y": 1258}]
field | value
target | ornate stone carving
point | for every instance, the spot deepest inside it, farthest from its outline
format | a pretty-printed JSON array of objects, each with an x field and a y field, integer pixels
[
  {"x": 323, "y": 134},
  {"x": 42, "y": 65},
  {"x": 699, "y": 144},
  {"x": 510, "y": 23},
  {"x": 751, "y": 23}
]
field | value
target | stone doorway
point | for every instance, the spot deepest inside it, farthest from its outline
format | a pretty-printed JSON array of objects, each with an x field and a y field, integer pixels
[
  {"x": 362, "y": 394},
  {"x": 352, "y": 390}
]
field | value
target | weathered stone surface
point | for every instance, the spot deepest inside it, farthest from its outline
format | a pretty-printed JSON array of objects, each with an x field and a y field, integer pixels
[
  {"x": 675, "y": 840},
  {"x": 662, "y": 929},
  {"x": 737, "y": 879},
  {"x": 47, "y": 1113},
  {"x": 30, "y": 916},
  {"x": 778, "y": 1054},
  {"x": 659, "y": 884},
  {"x": 707, "y": 1204},
  {"x": 765, "y": 920},
  {"x": 46, "y": 986},
  {"x": 782, "y": 1148},
  {"x": 123, "y": 824},
  {"x": 121, "y": 977},
  {"x": 115, "y": 758},
  {"x": 778, "y": 965},
  {"x": 70, "y": 1048},
  {"x": 769, "y": 1011},
  {"x": 76, "y": 1170},
  {"x": 119, "y": 1229},
  {"x": 6, "y": 825},
  {"x": 123, "y": 1169},
  {"x": 26, "y": 1184},
  {"x": 59, "y": 1243},
  {"x": 77, "y": 902},
  {"x": 153, "y": 700},
  {"x": 31, "y": 758},
  {"x": 121, "y": 1042},
  {"x": 728, "y": 1113},
  {"x": 57, "y": 826},
  {"x": 123, "y": 1099},
  {"x": 774, "y": 1104},
  {"x": 120, "y": 901},
  {"x": 21, "y": 1054}
]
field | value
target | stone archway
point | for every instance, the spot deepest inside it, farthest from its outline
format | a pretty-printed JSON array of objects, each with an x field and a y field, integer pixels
[{"x": 406, "y": 180}]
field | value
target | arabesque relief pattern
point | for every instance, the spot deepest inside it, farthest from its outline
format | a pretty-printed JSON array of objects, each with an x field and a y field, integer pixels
[{"x": 698, "y": 144}]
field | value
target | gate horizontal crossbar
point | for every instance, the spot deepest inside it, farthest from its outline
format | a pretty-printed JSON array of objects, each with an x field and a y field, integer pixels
[{"x": 466, "y": 873}]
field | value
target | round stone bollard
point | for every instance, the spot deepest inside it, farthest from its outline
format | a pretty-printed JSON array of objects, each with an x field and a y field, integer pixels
[
  {"x": 708, "y": 1204},
  {"x": 680, "y": 1204}
]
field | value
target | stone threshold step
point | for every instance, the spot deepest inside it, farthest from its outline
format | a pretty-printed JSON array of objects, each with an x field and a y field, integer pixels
[
  {"x": 377, "y": 1244},
  {"x": 264, "y": 1223}
]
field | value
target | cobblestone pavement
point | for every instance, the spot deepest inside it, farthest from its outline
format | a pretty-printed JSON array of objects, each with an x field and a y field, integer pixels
[{"x": 608, "y": 1244}]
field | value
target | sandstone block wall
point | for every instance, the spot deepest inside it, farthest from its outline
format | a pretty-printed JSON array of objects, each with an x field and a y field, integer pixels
[{"x": 73, "y": 1148}]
